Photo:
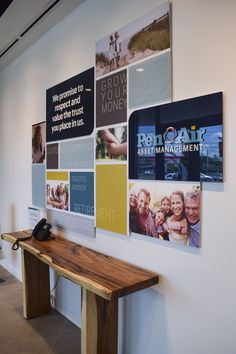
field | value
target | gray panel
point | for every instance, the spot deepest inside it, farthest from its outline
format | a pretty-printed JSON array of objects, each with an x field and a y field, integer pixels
[
  {"x": 38, "y": 185},
  {"x": 52, "y": 156},
  {"x": 150, "y": 81},
  {"x": 77, "y": 154},
  {"x": 111, "y": 99},
  {"x": 71, "y": 223}
]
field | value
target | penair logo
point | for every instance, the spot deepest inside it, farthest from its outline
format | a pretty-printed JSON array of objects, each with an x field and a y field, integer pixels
[{"x": 182, "y": 140}]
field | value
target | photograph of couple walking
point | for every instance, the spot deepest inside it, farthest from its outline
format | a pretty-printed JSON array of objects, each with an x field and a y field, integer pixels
[
  {"x": 114, "y": 51},
  {"x": 145, "y": 36},
  {"x": 167, "y": 211}
]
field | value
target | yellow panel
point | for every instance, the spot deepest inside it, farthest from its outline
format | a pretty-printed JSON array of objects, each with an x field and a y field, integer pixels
[
  {"x": 111, "y": 198},
  {"x": 57, "y": 176}
]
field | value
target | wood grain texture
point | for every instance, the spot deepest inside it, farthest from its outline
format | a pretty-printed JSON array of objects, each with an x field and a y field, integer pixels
[
  {"x": 105, "y": 276},
  {"x": 36, "y": 286},
  {"x": 99, "y": 330}
]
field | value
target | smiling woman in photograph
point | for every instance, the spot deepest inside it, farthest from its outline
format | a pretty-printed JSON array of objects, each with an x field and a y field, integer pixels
[
  {"x": 176, "y": 224},
  {"x": 38, "y": 145}
]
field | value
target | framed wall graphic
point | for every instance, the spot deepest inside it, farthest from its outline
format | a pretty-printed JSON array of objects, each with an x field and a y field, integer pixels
[
  {"x": 77, "y": 154},
  {"x": 165, "y": 210},
  {"x": 111, "y": 99},
  {"x": 111, "y": 197},
  {"x": 111, "y": 144},
  {"x": 52, "y": 156},
  {"x": 38, "y": 142},
  {"x": 38, "y": 185},
  {"x": 133, "y": 61},
  {"x": 57, "y": 190},
  {"x": 150, "y": 81},
  {"x": 125, "y": 169},
  {"x": 38, "y": 164},
  {"x": 82, "y": 192},
  {"x": 178, "y": 141},
  {"x": 69, "y": 186},
  {"x": 141, "y": 38},
  {"x": 70, "y": 107}
]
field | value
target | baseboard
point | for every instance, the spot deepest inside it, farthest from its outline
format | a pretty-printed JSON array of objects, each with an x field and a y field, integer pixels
[
  {"x": 75, "y": 319},
  {"x": 69, "y": 315}
]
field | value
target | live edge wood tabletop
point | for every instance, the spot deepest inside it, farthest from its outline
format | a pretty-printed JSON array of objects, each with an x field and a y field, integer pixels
[{"x": 103, "y": 280}]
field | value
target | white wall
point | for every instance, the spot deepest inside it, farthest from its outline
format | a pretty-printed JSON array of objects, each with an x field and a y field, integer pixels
[{"x": 193, "y": 309}]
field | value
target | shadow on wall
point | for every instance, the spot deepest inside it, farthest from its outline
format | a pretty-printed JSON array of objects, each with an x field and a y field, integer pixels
[
  {"x": 1, "y": 253},
  {"x": 12, "y": 227},
  {"x": 145, "y": 323},
  {"x": 13, "y": 217}
]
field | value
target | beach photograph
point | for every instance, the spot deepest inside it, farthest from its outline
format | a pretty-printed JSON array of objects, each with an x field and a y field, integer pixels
[{"x": 145, "y": 36}]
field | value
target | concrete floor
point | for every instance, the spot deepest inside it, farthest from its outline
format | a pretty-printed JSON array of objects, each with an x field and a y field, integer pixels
[{"x": 47, "y": 334}]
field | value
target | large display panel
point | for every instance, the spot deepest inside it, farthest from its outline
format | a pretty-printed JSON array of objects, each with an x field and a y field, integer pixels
[
  {"x": 160, "y": 157},
  {"x": 70, "y": 107},
  {"x": 178, "y": 141},
  {"x": 145, "y": 36},
  {"x": 111, "y": 99},
  {"x": 70, "y": 153},
  {"x": 133, "y": 69},
  {"x": 111, "y": 198},
  {"x": 38, "y": 164},
  {"x": 166, "y": 211},
  {"x": 38, "y": 142}
]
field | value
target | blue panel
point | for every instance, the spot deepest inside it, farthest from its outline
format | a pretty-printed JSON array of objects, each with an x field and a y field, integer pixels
[
  {"x": 77, "y": 154},
  {"x": 82, "y": 192},
  {"x": 38, "y": 185}
]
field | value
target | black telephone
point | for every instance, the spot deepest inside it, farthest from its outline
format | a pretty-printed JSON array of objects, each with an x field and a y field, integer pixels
[{"x": 41, "y": 232}]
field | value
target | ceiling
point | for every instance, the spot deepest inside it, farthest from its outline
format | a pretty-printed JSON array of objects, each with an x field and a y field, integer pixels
[{"x": 23, "y": 21}]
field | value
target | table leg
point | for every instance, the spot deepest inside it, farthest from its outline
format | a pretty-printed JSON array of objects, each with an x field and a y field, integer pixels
[
  {"x": 36, "y": 286},
  {"x": 99, "y": 330}
]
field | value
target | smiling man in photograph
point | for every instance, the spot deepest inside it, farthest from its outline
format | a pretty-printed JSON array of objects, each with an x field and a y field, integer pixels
[
  {"x": 146, "y": 225},
  {"x": 192, "y": 211}
]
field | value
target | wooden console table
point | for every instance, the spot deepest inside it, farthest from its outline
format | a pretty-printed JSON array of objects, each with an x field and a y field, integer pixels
[{"x": 103, "y": 280}]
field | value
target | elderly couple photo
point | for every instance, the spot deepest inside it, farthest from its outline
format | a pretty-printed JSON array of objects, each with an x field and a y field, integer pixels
[{"x": 166, "y": 211}]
